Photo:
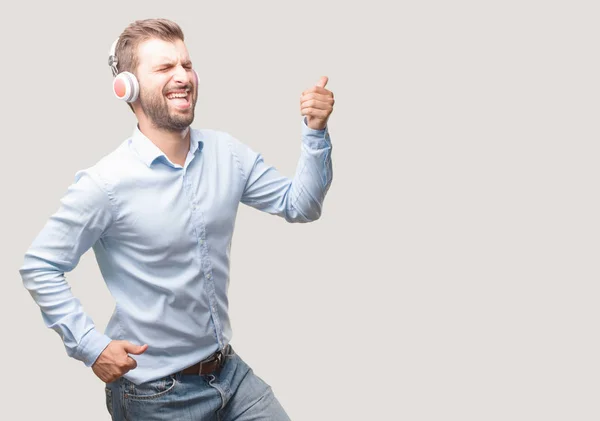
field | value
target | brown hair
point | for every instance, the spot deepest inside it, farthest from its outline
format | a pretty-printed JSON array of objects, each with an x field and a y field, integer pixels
[{"x": 138, "y": 32}]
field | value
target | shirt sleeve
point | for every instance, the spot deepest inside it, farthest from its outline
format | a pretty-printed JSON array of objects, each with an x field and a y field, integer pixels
[
  {"x": 83, "y": 217},
  {"x": 299, "y": 199}
]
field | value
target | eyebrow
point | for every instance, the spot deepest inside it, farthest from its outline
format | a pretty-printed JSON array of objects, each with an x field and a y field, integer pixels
[{"x": 170, "y": 63}]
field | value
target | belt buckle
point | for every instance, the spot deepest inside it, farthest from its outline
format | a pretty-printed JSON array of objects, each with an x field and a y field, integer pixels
[{"x": 218, "y": 357}]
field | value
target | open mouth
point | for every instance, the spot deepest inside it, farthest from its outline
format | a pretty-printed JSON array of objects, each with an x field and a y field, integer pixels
[{"x": 180, "y": 98}]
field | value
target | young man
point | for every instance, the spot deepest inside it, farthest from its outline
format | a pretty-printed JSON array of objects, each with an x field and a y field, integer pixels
[{"x": 159, "y": 213}]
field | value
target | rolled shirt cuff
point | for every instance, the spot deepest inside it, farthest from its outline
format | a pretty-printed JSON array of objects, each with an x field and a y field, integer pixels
[
  {"x": 91, "y": 346},
  {"x": 315, "y": 139}
]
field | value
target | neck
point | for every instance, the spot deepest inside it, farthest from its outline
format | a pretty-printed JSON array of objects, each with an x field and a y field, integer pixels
[{"x": 174, "y": 144}]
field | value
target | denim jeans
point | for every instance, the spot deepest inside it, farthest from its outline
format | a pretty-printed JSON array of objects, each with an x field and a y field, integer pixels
[{"x": 235, "y": 393}]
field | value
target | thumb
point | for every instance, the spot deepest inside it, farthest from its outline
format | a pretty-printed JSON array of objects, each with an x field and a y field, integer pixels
[
  {"x": 323, "y": 81},
  {"x": 134, "y": 349}
]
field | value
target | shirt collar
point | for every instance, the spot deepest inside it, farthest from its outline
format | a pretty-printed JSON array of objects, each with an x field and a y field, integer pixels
[{"x": 149, "y": 152}]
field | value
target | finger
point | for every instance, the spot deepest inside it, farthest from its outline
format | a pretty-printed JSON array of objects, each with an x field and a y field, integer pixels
[
  {"x": 319, "y": 90},
  {"x": 320, "y": 97},
  {"x": 323, "y": 81},
  {"x": 131, "y": 363},
  {"x": 134, "y": 349},
  {"x": 312, "y": 112},
  {"x": 313, "y": 103}
]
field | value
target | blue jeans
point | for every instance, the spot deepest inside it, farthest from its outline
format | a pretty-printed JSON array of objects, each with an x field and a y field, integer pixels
[{"x": 234, "y": 394}]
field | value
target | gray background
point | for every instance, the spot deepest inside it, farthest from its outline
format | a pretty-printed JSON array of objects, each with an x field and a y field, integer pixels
[{"x": 454, "y": 272}]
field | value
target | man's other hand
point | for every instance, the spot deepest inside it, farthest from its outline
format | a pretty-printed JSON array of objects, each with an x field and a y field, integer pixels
[{"x": 115, "y": 360}]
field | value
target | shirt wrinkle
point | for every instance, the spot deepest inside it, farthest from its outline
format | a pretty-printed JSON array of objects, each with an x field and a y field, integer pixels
[{"x": 155, "y": 230}]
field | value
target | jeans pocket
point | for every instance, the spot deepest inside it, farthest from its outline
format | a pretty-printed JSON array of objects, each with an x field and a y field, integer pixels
[
  {"x": 109, "y": 403},
  {"x": 151, "y": 390}
]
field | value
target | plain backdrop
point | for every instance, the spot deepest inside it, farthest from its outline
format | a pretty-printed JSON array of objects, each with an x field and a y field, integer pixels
[{"x": 454, "y": 272}]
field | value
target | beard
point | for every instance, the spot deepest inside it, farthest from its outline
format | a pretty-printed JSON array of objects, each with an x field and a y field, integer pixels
[{"x": 156, "y": 107}]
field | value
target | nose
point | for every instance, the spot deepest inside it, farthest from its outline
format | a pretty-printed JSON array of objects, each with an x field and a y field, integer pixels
[{"x": 181, "y": 75}]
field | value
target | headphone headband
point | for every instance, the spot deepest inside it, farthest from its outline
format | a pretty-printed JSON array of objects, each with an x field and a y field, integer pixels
[{"x": 112, "y": 57}]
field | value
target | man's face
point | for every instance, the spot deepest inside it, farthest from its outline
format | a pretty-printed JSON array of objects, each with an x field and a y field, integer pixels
[{"x": 168, "y": 87}]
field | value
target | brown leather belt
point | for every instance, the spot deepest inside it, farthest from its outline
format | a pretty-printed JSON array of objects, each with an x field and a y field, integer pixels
[{"x": 210, "y": 364}]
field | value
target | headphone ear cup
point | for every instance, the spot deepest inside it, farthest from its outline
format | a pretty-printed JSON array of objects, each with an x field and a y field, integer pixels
[{"x": 126, "y": 87}]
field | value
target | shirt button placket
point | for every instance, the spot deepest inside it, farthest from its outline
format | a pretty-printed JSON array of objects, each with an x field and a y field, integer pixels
[{"x": 213, "y": 305}]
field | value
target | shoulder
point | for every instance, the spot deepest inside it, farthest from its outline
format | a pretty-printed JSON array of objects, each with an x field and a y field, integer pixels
[
  {"x": 226, "y": 149},
  {"x": 221, "y": 141},
  {"x": 213, "y": 138},
  {"x": 111, "y": 166},
  {"x": 105, "y": 173}
]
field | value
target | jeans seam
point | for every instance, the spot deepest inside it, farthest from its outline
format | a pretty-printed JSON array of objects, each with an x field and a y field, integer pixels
[
  {"x": 109, "y": 401},
  {"x": 221, "y": 392},
  {"x": 154, "y": 396}
]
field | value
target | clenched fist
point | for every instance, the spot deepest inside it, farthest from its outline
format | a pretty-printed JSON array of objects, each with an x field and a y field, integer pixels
[
  {"x": 115, "y": 361},
  {"x": 316, "y": 104}
]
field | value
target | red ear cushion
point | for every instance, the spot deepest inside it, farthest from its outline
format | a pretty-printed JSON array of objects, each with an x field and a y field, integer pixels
[{"x": 119, "y": 87}]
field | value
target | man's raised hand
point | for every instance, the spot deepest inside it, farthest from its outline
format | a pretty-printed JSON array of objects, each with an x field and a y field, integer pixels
[{"x": 316, "y": 104}]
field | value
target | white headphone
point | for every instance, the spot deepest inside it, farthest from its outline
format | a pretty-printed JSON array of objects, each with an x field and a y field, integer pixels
[{"x": 125, "y": 84}]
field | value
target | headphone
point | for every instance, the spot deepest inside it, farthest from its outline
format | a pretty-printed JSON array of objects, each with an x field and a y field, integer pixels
[{"x": 125, "y": 84}]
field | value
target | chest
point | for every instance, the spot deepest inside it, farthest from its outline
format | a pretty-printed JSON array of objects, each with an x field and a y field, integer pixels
[{"x": 170, "y": 214}]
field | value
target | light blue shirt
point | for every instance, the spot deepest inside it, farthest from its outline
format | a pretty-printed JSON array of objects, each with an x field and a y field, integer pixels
[{"x": 161, "y": 234}]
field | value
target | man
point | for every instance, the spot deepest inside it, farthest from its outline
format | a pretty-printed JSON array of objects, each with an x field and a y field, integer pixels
[{"x": 159, "y": 213}]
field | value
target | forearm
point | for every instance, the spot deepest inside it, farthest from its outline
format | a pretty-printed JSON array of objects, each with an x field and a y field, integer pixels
[
  {"x": 61, "y": 311},
  {"x": 297, "y": 199},
  {"x": 313, "y": 176}
]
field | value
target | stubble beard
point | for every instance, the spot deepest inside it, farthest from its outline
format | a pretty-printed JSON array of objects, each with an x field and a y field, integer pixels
[{"x": 157, "y": 110}]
